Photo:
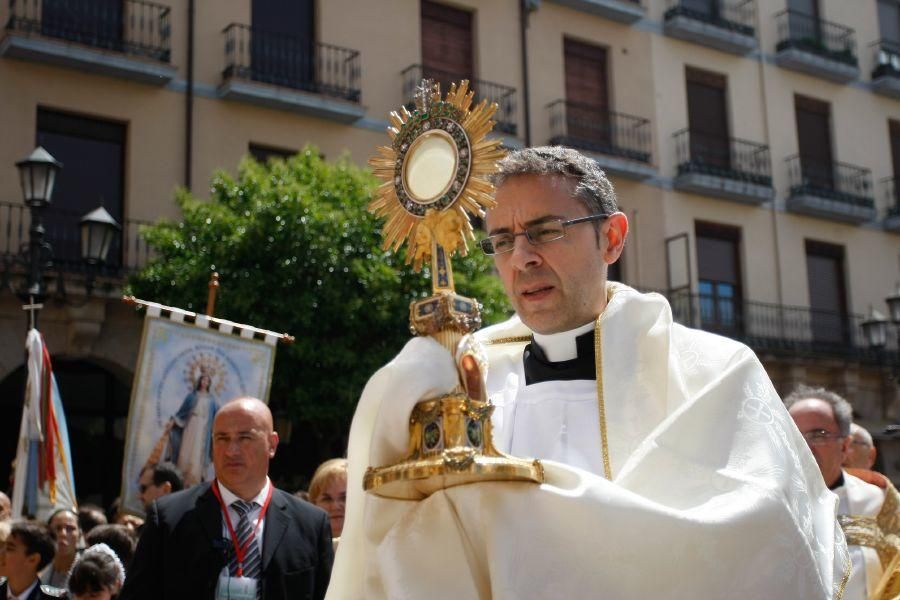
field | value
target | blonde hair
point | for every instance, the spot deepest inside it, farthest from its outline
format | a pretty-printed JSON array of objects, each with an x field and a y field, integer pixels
[
  {"x": 328, "y": 471},
  {"x": 5, "y": 527}
]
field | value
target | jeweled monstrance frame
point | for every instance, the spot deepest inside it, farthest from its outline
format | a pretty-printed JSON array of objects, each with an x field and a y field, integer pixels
[{"x": 434, "y": 178}]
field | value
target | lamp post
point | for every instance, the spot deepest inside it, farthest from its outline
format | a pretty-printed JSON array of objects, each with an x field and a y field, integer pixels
[
  {"x": 37, "y": 175},
  {"x": 875, "y": 329}
]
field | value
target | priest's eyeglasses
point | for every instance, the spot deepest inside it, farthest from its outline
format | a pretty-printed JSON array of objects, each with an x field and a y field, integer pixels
[
  {"x": 820, "y": 437},
  {"x": 539, "y": 233}
]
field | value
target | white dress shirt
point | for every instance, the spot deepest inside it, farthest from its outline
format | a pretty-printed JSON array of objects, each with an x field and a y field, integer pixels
[{"x": 23, "y": 595}]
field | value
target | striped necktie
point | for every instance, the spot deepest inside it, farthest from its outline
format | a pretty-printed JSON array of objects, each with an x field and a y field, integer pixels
[{"x": 244, "y": 532}]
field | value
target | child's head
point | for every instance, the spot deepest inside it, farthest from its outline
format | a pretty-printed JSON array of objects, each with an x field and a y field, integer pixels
[
  {"x": 29, "y": 548},
  {"x": 96, "y": 575}
]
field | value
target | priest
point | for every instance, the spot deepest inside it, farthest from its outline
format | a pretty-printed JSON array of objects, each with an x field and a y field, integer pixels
[{"x": 672, "y": 469}]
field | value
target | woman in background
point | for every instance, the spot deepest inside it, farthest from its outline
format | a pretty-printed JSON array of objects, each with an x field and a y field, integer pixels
[
  {"x": 328, "y": 490},
  {"x": 64, "y": 528}
]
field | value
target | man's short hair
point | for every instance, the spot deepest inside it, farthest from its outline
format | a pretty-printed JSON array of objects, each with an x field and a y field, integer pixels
[
  {"x": 37, "y": 540},
  {"x": 90, "y": 516},
  {"x": 166, "y": 471},
  {"x": 843, "y": 412},
  {"x": 118, "y": 537},
  {"x": 591, "y": 184}
]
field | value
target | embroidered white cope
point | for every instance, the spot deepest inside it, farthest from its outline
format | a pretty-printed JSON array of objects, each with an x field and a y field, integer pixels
[{"x": 714, "y": 492}]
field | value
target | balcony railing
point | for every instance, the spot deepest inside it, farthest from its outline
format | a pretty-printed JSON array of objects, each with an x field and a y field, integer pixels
[
  {"x": 730, "y": 158},
  {"x": 891, "y": 197},
  {"x": 596, "y": 130},
  {"x": 886, "y": 59},
  {"x": 803, "y": 32},
  {"x": 778, "y": 328},
  {"x": 503, "y": 95},
  {"x": 134, "y": 27},
  {"x": 738, "y": 16},
  {"x": 291, "y": 61},
  {"x": 128, "y": 251},
  {"x": 836, "y": 181}
]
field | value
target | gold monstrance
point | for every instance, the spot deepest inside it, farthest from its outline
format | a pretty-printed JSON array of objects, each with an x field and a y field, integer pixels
[{"x": 434, "y": 177}]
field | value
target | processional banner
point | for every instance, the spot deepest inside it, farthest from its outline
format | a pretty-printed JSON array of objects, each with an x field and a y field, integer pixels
[{"x": 185, "y": 373}]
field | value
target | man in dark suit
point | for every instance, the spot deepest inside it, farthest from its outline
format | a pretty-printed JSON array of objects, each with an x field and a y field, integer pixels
[{"x": 237, "y": 529}]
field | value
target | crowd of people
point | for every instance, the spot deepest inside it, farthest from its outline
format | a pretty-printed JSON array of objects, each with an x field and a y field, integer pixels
[
  {"x": 82, "y": 553},
  {"x": 665, "y": 451}
]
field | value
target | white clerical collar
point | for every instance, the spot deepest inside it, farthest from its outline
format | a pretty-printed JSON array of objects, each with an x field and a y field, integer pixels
[
  {"x": 561, "y": 346},
  {"x": 24, "y": 594},
  {"x": 229, "y": 497}
]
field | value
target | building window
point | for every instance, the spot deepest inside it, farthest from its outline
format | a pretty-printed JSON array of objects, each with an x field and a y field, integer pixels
[
  {"x": 263, "y": 153},
  {"x": 282, "y": 47},
  {"x": 446, "y": 43},
  {"x": 708, "y": 118},
  {"x": 889, "y": 21},
  {"x": 719, "y": 278},
  {"x": 92, "y": 152},
  {"x": 587, "y": 92},
  {"x": 827, "y": 293},
  {"x": 814, "y": 142}
]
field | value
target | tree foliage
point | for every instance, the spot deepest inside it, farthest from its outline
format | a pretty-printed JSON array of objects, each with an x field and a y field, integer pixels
[{"x": 297, "y": 252}]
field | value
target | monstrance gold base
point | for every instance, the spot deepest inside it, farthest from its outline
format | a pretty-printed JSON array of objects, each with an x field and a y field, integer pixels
[
  {"x": 417, "y": 479},
  {"x": 451, "y": 443}
]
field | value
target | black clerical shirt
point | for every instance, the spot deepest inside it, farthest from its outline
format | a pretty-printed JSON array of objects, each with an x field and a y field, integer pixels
[{"x": 538, "y": 368}]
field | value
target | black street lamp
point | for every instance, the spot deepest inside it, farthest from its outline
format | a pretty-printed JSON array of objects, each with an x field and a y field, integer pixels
[
  {"x": 875, "y": 329},
  {"x": 37, "y": 175}
]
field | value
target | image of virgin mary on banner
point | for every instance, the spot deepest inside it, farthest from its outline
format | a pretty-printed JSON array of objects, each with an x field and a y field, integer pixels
[{"x": 186, "y": 371}]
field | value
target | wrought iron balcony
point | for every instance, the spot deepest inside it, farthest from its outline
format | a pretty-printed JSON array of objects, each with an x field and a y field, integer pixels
[
  {"x": 128, "y": 252},
  {"x": 80, "y": 33},
  {"x": 886, "y": 74},
  {"x": 780, "y": 329},
  {"x": 891, "y": 204},
  {"x": 816, "y": 47},
  {"x": 504, "y": 95},
  {"x": 727, "y": 25},
  {"x": 831, "y": 190},
  {"x": 619, "y": 142},
  {"x": 727, "y": 168},
  {"x": 291, "y": 61}
]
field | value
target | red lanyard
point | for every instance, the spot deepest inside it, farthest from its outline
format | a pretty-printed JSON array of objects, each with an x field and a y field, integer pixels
[{"x": 240, "y": 552}]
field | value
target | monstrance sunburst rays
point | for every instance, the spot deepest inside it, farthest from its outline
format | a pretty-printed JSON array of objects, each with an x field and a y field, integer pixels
[{"x": 444, "y": 218}]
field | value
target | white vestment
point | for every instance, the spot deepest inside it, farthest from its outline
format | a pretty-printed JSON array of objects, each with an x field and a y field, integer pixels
[
  {"x": 714, "y": 492},
  {"x": 861, "y": 499}
]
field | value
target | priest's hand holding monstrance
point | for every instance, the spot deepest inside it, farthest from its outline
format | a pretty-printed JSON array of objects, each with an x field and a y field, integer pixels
[{"x": 434, "y": 176}]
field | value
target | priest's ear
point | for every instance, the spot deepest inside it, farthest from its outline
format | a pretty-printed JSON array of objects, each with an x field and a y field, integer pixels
[{"x": 613, "y": 233}]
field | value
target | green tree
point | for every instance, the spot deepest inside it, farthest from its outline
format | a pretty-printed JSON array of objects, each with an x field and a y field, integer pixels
[{"x": 297, "y": 252}]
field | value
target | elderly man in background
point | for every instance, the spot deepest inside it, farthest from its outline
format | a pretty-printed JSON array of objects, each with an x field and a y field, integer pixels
[
  {"x": 237, "y": 536},
  {"x": 861, "y": 452},
  {"x": 867, "y": 514}
]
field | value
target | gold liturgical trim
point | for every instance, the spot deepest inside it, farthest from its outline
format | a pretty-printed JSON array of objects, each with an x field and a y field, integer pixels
[{"x": 601, "y": 403}]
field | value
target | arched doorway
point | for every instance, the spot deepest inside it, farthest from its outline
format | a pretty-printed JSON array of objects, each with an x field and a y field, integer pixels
[{"x": 96, "y": 405}]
